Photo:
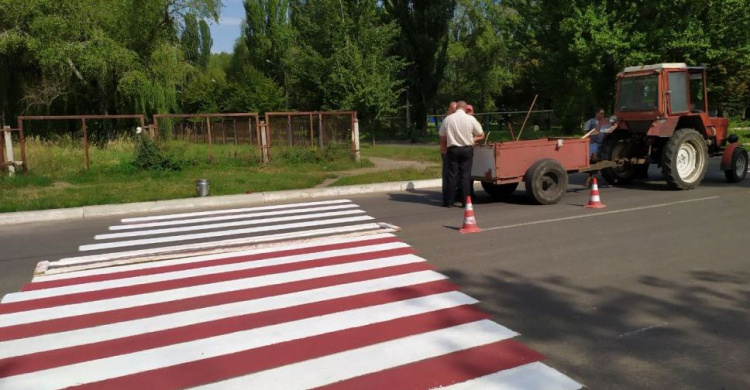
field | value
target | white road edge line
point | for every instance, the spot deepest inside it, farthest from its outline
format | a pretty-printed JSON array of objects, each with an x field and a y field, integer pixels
[{"x": 598, "y": 214}]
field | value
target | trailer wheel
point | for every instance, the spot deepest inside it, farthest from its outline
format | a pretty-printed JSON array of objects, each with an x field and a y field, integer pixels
[
  {"x": 546, "y": 181},
  {"x": 739, "y": 166},
  {"x": 684, "y": 159},
  {"x": 499, "y": 191}
]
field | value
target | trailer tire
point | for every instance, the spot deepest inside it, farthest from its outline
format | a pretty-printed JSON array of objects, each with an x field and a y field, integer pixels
[
  {"x": 738, "y": 170},
  {"x": 499, "y": 191},
  {"x": 546, "y": 182},
  {"x": 684, "y": 159}
]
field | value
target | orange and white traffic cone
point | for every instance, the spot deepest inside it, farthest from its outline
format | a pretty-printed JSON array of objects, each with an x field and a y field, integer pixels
[
  {"x": 470, "y": 223},
  {"x": 595, "y": 202}
]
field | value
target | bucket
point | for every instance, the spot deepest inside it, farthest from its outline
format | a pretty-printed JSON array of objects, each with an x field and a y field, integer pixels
[{"x": 202, "y": 187}]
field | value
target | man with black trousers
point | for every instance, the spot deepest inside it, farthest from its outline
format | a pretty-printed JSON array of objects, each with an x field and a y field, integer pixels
[{"x": 460, "y": 131}]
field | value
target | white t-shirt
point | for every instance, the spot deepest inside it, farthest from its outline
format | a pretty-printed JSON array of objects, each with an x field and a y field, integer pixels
[{"x": 460, "y": 129}]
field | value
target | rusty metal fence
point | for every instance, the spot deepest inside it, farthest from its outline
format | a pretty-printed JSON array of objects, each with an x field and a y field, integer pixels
[{"x": 282, "y": 129}]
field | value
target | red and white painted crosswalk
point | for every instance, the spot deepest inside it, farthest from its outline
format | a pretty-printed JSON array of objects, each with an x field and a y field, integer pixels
[{"x": 305, "y": 298}]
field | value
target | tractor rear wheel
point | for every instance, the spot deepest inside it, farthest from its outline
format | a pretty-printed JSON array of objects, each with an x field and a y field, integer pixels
[
  {"x": 738, "y": 171},
  {"x": 546, "y": 181},
  {"x": 684, "y": 159},
  {"x": 619, "y": 147},
  {"x": 499, "y": 191}
]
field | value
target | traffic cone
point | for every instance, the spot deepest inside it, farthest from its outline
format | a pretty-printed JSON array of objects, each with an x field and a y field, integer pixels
[
  {"x": 470, "y": 223},
  {"x": 595, "y": 202}
]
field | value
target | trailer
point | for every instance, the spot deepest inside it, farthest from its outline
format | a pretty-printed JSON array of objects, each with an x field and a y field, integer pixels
[{"x": 542, "y": 164}]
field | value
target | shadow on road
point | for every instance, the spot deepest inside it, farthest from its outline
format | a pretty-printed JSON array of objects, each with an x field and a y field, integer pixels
[{"x": 640, "y": 340}]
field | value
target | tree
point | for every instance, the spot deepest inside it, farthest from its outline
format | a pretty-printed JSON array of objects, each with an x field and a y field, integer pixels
[
  {"x": 268, "y": 37},
  {"x": 206, "y": 44},
  {"x": 345, "y": 64},
  {"x": 424, "y": 45},
  {"x": 479, "y": 64},
  {"x": 191, "y": 40}
]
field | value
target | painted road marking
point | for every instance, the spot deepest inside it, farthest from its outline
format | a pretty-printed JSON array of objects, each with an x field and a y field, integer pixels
[
  {"x": 329, "y": 301},
  {"x": 232, "y": 211},
  {"x": 598, "y": 214}
]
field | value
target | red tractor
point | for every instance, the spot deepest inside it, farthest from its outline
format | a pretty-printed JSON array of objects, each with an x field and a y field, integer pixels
[{"x": 662, "y": 117}]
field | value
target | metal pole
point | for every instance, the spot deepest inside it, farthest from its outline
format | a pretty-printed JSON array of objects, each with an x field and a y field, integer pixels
[
  {"x": 85, "y": 142},
  {"x": 320, "y": 131},
  {"x": 408, "y": 116},
  {"x": 234, "y": 130},
  {"x": 312, "y": 131},
  {"x": 289, "y": 129},
  {"x": 263, "y": 142},
  {"x": 527, "y": 117}
]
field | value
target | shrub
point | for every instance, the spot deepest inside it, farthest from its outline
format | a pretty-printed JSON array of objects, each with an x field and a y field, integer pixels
[{"x": 150, "y": 157}]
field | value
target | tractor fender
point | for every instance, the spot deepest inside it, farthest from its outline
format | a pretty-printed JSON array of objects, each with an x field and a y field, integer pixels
[
  {"x": 666, "y": 127},
  {"x": 726, "y": 158}
]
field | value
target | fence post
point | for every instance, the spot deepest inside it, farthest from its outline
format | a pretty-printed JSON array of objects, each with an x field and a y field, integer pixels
[
  {"x": 320, "y": 131},
  {"x": 86, "y": 143},
  {"x": 289, "y": 130},
  {"x": 210, "y": 141},
  {"x": 355, "y": 135},
  {"x": 9, "y": 152},
  {"x": 263, "y": 142}
]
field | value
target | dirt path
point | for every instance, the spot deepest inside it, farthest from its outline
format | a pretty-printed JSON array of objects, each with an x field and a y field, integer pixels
[{"x": 381, "y": 164}]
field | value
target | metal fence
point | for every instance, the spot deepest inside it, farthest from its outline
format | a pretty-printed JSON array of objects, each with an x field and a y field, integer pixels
[
  {"x": 306, "y": 129},
  {"x": 505, "y": 125}
]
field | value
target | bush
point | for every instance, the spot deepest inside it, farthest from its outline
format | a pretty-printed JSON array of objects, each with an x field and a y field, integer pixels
[{"x": 150, "y": 157}]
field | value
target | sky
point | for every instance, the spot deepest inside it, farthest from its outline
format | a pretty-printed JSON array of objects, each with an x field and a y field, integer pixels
[{"x": 228, "y": 29}]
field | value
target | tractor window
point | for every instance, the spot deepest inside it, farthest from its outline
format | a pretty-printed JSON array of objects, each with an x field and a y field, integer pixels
[
  {"x": 696, "y": 92},
  {"x": 639, "y": 93},
  {"x": 678, "y": 92}
]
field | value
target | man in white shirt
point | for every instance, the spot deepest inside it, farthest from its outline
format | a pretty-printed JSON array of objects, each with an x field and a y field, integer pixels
[{"x": 459, "y": 131}]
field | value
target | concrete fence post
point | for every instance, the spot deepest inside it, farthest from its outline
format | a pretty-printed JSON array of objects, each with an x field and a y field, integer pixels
[
  {"x": 264, "y": 142},
  {"x": 9, "y": 152},
  {"x": 355, "y": 135}
]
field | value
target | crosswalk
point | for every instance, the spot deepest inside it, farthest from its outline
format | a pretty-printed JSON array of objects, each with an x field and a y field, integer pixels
[{"x": 296, "y": 296}]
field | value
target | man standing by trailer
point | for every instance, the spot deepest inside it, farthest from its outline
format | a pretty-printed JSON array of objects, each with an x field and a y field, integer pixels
[{"x": 460, "y": 131}]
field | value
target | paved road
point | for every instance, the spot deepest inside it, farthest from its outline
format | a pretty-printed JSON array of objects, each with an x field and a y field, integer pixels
[{"x": 652, "y": 292}]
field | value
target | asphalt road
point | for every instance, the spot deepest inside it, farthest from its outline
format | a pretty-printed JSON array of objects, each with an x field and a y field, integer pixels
[{"x": 652, "y": 292}]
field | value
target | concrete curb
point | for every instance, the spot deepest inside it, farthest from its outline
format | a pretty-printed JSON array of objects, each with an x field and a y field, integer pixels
[{"x": 86, "y": 212}]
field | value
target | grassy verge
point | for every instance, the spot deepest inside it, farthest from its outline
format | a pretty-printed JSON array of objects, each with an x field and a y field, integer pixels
[
  {"x": 407, "y": 152},
  {"x": 390, "y": 176},
  {"x": 57, "y": 177}
]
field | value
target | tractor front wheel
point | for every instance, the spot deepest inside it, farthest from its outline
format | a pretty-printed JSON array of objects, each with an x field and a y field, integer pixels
[
  {"x": 684, "y": 159},
  {"x": 738, "y": 170}
]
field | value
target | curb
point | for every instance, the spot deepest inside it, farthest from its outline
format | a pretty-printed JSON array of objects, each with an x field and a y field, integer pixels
[{"x": 87, "y": 212}]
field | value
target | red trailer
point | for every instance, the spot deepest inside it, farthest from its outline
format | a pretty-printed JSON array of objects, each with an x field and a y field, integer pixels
[{"x": 542, "y": 164}]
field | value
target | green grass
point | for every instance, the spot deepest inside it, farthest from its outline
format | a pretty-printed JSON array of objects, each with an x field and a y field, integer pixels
[
  {"x": 57, "y": 177},
  {"x": 743, "y": 134},
  {"x": 423, "y": 153},
  {"x": 405, "y": 174}
]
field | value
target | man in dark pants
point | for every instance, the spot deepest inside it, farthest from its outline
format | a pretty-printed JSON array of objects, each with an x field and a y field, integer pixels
[{"x": 460, "y": 131}]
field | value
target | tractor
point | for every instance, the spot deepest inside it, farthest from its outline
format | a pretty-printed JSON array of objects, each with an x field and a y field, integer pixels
[{"x": 662, "y": 117}]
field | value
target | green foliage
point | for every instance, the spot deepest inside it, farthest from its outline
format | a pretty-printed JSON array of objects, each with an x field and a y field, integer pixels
[
  {"x": 206, "y": 43},
  {"x": 150, "y": 157},
  {"x": 191, "y": 39},
  {"x": 424, "y": 45},
  {"x": 358, "y": 49}
]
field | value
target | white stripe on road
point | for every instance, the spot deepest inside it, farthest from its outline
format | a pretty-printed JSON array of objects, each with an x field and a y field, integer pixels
[
  {"x": 76, "y": 309},
  {"x": 529, "y": 376},
  {"x": 51, "y": 341},
  {"x": 232, "y": 211},
  {"x": 598, "y": 214},
  {"x": 112, "y": 367},
  {"x": 71, "y": 261},
  {"x": 362, "y": 361},
  {"x": 198, "y": 236},
  {"x": 191, "y": 273},
  {"x": 230, "y": 217},
  {"x": 218, "y": 256},
  {"x": 224, "y": 225}
]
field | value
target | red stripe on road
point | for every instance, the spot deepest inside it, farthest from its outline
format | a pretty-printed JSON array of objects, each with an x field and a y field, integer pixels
[
  {"x": 77, "y": 354},
  {"x": 98, "y": 295},
  {"x": 152, "y": 310},
  {"x": 445, "y": 370},
  {"x": 246, "y": 362},
  {"x": 200, "y": 264}
]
